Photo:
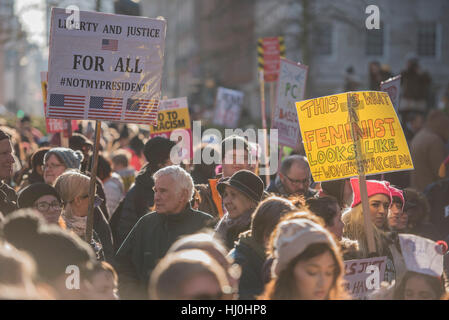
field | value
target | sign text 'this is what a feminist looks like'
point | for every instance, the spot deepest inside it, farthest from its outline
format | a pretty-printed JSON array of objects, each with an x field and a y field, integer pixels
[{"x": 328, "y": 133}]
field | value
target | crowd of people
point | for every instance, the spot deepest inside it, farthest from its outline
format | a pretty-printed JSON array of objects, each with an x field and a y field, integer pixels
[{"x": 166, "y": 231}]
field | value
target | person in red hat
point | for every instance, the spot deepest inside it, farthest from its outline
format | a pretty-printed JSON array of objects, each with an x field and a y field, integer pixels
[
  {"x": 379, "y": 199},
  {"x": 397, "y": 218}
]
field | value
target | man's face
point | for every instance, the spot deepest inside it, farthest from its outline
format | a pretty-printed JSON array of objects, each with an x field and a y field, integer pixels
[
  {"x": 236, "y": 160},
  {"x": 297, "y": 179},
  {"x": 167, "y": 196},
  {"x": 6, "y": 159}
]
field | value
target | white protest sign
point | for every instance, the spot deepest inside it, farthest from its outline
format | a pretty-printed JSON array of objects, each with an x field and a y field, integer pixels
[
  {"x": 228, "y": 107},
  {"x": 109, "y": 69},
  {"x": 363, "y": 276},
  {"x": 421, "y": 255},
  {"x": 291, "y": 87},
  {"x": 392, "y": 86}
]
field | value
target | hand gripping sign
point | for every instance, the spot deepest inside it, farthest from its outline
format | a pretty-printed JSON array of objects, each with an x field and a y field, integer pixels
[
  {"x": 328, "y": 132},
  {"x": 107, "y": 69}
]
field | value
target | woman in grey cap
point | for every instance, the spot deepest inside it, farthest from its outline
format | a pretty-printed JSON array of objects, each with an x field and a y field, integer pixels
[
  {"x": 307, "y": 263},
  {"x": 58, "y": 160},
  {"x": 241, "y": 194}
]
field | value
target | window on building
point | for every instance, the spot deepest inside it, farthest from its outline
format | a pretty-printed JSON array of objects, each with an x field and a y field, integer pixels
[
  {"x": 323, "y": 39},
  {"x": 375, "y": 41},
  {"x": 427, "y": 39}
]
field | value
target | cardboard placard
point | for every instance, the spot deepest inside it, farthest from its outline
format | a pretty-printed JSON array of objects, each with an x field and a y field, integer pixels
[
  {"x": 109, "y": 69},
  {"x": 291, "y": 88},
  {"x": 356, "y": 276},
  {"x": 173, "y": 115},
  {"x": 392, "y": 86},
  {"x": 328, "y": 139},
  {"x": 228, "y": 107}
]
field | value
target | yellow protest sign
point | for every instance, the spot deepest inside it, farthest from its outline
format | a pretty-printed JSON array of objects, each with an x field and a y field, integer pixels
[
  {"x": 169, "y": 120},
  {"x": 328, "y": 132}
]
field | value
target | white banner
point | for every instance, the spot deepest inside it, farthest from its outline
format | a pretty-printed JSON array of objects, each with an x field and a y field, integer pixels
[
  {"x": 290, "y": 89},
  {"x": 110, "y": 68},
  {"x": 228, "y": 107}
]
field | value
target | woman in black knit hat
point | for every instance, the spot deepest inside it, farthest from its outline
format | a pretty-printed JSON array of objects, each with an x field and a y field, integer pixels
[
  {"x": 43, "y": 198},
  {"x": 241, "y": 194}
]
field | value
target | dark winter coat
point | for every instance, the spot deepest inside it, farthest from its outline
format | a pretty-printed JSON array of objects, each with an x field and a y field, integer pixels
[
  {"x": 136, "y": 204},
  {"x": 229, "y": 229},
  {"x": 8, "y": 199},
  {"x": 250, "y": 255},
  {"x": 147, "y": 243},
  {"x": 437, "y": 195},
  {"x": 101, "y": 227}
]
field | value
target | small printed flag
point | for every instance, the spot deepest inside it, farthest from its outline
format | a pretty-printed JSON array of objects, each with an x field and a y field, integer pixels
[
  {"x": 141, "y": 110},
  {"x": 108, "y": 44},
  {"x": 102, "y": 108},
  {"x": 66, "y": 106}
]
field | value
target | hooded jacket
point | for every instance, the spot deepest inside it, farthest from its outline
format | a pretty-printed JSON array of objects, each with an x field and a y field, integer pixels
[
  {"x": 250, "y": 255},
  {"x": 148, "y": 242}
]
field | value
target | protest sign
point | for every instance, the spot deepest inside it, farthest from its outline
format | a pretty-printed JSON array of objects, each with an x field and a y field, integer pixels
[
  {"x": 291, "y": 87},
  {"x": 421, "y": 255},
  {"x": 173, "y": 115},
  {"x": 328, "y": 132},
  {"x": 228, "y": 107},
  {"x": 52, "y": 125},
  {"x": 361, "y": 279},
  {"x": 269, "y": 51},
  {"x": 392, "y": 86},
  {"x": 109, "y": 68}
]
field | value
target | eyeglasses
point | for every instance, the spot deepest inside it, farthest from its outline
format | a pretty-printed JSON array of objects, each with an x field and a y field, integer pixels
[
  {"x": 303, "y": 181},
  {"x": 45, "y": 206},
  {"x": 51, "y": 166}
]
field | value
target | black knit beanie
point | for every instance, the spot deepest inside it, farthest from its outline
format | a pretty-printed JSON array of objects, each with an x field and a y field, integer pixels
[
  {"x": 157, "y": 150},
  {"x": 28, "y": 196}
]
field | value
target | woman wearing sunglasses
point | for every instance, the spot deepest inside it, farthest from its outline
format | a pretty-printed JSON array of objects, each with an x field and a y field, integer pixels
[{"x": 73, "y": 188}]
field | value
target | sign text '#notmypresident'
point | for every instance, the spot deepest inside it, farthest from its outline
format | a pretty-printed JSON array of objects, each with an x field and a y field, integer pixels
[{"x": 114, "y": 29}]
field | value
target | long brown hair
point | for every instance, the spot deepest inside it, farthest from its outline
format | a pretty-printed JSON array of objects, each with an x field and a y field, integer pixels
[{"x": 283, "y": 288}]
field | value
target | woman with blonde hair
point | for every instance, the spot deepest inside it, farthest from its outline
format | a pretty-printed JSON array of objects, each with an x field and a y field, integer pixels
[
  {"x": 307, "y": 263},
  {"x": 73, "y": 189},
  {"x": 379, "y": 199}
]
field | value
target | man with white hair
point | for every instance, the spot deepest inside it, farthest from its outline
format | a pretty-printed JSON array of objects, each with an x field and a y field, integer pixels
[{"x": 155, "y": 232}]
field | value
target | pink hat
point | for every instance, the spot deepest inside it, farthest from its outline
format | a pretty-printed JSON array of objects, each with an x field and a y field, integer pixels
[
  {"x": 373, "y": 186},
  {"x": 396, "y": 193}
]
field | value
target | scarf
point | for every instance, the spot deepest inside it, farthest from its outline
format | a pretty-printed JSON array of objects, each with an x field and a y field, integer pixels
[
  {"x": 75, "y": 224},
  {"x": 229, "y": 229}
]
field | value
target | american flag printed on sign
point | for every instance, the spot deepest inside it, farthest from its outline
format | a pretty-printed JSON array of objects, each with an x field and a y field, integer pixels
[
  {"x": 108, "y": 44},
  {"x": 141, "y": 110},
  {"x": 102, "y": 108},
  {"x": 66, "y": 106}
]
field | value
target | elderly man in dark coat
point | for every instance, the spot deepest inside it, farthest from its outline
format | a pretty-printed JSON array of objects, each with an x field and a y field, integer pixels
[{"x": 156, "y": 231}]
